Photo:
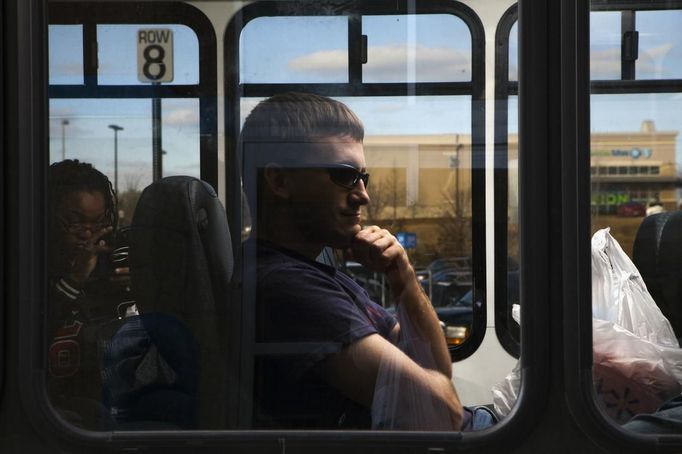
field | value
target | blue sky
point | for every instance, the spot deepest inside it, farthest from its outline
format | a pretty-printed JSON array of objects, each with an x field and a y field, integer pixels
[{"x": 433, "y": 48}]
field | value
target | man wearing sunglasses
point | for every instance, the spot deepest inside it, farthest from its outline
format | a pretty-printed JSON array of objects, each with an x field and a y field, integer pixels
[{"x": 338, "y": 363}]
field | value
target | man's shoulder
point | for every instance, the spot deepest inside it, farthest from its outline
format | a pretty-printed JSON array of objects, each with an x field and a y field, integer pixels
[{"x": 272, "y": 259}]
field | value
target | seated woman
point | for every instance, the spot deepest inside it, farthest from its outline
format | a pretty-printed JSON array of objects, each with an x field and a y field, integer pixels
[{"x": 85, "y": 291}]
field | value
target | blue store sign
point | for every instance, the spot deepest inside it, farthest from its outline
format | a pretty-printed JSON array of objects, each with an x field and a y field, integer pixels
[{"x": 407, "y": 239}]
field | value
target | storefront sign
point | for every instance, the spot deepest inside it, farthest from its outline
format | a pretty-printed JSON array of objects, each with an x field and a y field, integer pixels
[
  {"x": 634, "y": 153},
  {"x": 610, "y": 198}
]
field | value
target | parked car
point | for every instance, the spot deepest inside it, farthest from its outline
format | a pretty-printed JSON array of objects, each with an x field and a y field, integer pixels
[
  {"x": 631, "y": 209},
  {"x": 445, "y": 273}
]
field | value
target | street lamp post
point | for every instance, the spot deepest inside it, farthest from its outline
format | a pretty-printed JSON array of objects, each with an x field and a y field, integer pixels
[
  {"x": 65, "y": 122},
  {"x": 116, "y": 129}
]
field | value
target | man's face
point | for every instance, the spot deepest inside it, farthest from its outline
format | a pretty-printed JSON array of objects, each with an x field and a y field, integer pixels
[
  {"x": 327, "y": 213},
  {"x": 80, "y": 215}
]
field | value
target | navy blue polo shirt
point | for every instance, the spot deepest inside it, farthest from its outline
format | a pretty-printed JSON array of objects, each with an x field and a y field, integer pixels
[{"x": 307, "y": 311}]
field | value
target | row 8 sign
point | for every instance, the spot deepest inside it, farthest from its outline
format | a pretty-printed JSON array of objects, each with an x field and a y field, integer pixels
[{"x": 155, "y": 55}]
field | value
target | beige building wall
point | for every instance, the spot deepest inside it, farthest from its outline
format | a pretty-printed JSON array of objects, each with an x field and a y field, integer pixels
[
  {"x": 422, "y": 183},
  {"x": 420, "y": 173}
]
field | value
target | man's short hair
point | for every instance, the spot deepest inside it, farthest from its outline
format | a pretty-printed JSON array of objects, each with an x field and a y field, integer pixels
[
  {"x": 300, "y": 117},
  {"x": 279, "y": 129}
]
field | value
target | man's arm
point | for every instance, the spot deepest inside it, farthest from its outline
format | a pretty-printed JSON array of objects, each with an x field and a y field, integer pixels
[
  {"x": 355, "y": 369},
  {"x": 378, "y": 250}
]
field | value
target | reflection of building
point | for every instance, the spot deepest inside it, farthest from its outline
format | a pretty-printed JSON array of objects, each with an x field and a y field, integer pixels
[
  {"x": 638, "y": 167},
  {"x": 419, "y": 175},
  {"x": 422, "y": 183},
  {"x": 626, "y": 167}
]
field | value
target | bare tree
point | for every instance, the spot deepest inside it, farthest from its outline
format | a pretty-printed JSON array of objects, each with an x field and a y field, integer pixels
[
  {"x": 127, "y": 200},
  {"x": 454, "y": 233},
  {"x": 384, "y": 194}
]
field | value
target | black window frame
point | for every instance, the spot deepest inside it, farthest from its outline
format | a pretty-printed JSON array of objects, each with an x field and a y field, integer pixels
[
  {"x": 577, "y": 309},
  {"x": 3, "y": 330},
  {"x": 29, "y": 185},
  {"x": 509, "y": 339}
]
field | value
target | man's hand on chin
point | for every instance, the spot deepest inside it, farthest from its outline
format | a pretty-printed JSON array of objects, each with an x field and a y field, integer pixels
[{"x": 377, "y": 250}]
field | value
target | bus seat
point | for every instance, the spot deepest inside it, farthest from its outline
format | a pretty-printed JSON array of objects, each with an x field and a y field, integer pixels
[
  {"x": 181, "y": 264},
  {"x": 657, "y": 254}
]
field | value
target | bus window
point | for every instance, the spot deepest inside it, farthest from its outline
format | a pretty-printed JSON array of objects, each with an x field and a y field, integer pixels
[
  {"x": 423, "y": 48},
  {"x": 605, "y": 41},
  {"x": 422, "y": 148},
  {"x": 660, "y": 44},
  {"x": 67, "y": 40},
  {"x": 507, "y": 261},
  {"x": 118, "y": 123},
  {"x": 88, "y": 130},
  {"x": 419, "y": 149},
  {"x": 272, "y": 59},
  {"x": 635, "y": 150}
]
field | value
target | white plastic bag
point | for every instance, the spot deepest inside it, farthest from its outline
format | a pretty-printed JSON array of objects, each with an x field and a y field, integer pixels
[
  {"x": 637, "y": 359},
  {"x": 619, "y": 294},
  {"x": 632, "y": 375},
  {"x": 506, "y": 391}
]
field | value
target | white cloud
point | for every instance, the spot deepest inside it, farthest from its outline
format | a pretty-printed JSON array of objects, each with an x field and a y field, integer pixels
[
  {"x": 321, "y": 62},
  {"x": 67, "y": 69},
  {"x": 431, "y": 63},
  {"x": 182, "y": 117},
  {"x": 390, "y": 63},
  {"x": 607, "y": 62}
]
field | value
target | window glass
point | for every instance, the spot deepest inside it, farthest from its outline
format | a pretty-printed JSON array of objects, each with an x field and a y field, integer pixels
[
  {"x": 83, "y": 129},
  {"x": 660, "y": 45},
  {"x": 118, "y": 60},
  {"x": 633, "y": 136},
  {"x": 124, "y": 349},
  {"x": 417, "y": 48},
  {"x": 514, "y": 52},
  {"x": 66, "y": 54},
  {"x": 605, "y": 46},
  {"x": 635, "y": 200},
  {"x": 418, "y": 152},
  {"x": 504, "y": 322},
  {"x": 513, "y": 169},
  {"x": 294, "y": 49},
  {"x": 181, "y": 134}
]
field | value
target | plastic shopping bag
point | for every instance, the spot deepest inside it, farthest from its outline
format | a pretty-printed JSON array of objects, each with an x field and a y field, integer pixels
[
  {"x": 506, "y": 391},
  {"x": 619, "y": 294},
  {"x": 632, "y": 375},
  {"x": 637, "y": 359}
]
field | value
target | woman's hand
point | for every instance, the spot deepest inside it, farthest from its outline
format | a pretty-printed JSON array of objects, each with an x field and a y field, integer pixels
[{"x": 85, "y": 255}]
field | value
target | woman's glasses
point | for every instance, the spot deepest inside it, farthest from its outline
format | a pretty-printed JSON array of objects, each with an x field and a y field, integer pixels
[{"x": 78, "y": 228}]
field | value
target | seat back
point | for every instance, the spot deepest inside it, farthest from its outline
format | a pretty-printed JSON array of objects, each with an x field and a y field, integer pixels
[
  {"x": 657, "y": 254},
  {"x": 181, "y": 264}
]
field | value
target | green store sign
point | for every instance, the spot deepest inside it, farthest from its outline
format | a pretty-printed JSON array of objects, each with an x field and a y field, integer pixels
[{"x": 610, "y": 198}]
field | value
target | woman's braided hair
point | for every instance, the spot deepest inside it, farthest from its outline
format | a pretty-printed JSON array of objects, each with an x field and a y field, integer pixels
[{"x": 70, "y": 176}]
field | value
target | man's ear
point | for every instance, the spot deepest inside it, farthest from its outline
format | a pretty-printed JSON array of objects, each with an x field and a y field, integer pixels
[{"x": 277, "y": 180}]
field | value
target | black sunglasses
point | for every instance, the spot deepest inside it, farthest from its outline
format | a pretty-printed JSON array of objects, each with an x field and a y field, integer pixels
[{"x": 346, "y": 175}]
